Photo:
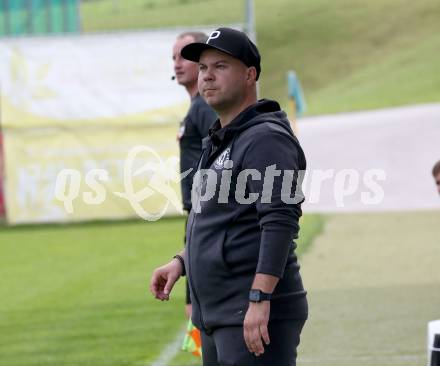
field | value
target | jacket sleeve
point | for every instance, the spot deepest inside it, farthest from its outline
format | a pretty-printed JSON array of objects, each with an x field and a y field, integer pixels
[{"x": 276, "y": 156}]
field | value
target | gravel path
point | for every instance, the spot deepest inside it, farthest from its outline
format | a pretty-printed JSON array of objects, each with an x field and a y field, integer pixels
[{"x": 399, "y": 145}]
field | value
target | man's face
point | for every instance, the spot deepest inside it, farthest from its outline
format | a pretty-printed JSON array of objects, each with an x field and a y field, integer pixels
[
  {"x": 437, "y": 182},
  {"x": 186, "y": 71},
  {"x": 222, "y": 79}
]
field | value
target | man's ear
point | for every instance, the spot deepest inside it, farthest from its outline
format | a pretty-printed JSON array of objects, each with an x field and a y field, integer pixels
[{"x": 251, "y": 74}]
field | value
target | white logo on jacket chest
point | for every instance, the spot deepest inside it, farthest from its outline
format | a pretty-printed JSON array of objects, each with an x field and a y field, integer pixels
[{"x": 220, "y": 161}]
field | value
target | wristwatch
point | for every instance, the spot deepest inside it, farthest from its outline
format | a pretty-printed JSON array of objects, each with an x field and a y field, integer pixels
[{"x": 258, "y": 296}]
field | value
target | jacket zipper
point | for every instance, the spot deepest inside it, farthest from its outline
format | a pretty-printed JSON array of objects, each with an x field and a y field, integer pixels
[{"x": 191, "y": 234}]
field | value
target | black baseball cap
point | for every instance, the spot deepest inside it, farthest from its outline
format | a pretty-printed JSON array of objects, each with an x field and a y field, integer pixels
[{"x": 227, "y": 40}]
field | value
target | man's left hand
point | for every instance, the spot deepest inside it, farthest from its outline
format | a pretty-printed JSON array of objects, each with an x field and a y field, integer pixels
[{"x": 255, "y": 327}]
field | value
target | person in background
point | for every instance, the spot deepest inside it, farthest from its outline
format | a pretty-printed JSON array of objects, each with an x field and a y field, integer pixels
[{"x": 436, "y": 175}]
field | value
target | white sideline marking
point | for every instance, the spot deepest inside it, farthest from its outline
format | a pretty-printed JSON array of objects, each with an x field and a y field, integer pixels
[{"x": 171, "y": 350}]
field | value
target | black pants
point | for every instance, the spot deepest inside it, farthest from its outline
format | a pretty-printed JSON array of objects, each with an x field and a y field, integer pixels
[{"x": 226, "y": 346}]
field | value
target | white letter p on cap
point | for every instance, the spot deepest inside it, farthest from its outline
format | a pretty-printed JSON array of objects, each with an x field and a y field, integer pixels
[{"x": 213, "y": 35}]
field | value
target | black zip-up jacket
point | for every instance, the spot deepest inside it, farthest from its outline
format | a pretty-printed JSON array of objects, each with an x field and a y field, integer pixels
[{"x": 229, "y": 237}]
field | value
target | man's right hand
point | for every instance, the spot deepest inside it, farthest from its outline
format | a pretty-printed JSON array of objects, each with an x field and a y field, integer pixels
[{"x": 164, "y": 278}]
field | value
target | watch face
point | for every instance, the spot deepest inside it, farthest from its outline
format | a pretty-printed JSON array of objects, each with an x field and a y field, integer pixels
[{"x": 254, "y": 295}]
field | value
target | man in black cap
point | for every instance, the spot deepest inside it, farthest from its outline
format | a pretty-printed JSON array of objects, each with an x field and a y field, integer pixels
[{"x": 246, "y": 290}]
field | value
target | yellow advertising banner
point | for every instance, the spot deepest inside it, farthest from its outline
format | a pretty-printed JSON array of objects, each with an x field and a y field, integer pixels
[
  {"x": 89, "y": 125},
  {"x": 88, "y": 79},
  {"x": 60, "y": 175}
]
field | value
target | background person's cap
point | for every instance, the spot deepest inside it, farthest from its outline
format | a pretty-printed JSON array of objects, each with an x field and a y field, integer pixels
[{"x": 230, "y": 41}]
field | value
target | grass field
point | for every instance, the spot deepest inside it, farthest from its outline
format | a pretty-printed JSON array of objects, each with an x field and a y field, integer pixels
[
  {"x": 78, "y": 294},
  {"x": 349, "y": 54},
  {"x": 373, "y": 284}
]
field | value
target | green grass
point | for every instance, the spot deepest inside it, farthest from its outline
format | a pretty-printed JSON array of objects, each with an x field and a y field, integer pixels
[
  {"x": 372, "y": 281},
  {"x": 78, "y": 294},
  {"x": 349, "y": 54},
  {"x": 353, "y": 54},
  {"x": 311, "y": 226},
  {"x": 100, "y": 15}
]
